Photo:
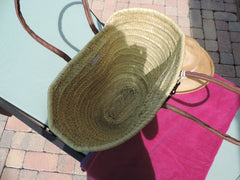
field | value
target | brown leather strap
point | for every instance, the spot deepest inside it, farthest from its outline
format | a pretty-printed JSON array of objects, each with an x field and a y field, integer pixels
[
  {"x": 36, "y": 37},
  {"x": 213, "y": 80},
  {"x": 43, "y": 42},
  {"x": 89, "y": 17},
  {"x": 189, "y": 116}
]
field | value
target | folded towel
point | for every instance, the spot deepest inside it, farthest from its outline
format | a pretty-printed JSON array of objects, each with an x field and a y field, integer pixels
[{"x": 170, "y": 146}]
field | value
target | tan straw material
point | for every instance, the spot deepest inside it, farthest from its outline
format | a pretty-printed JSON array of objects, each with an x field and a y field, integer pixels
[
  {"x": 196, "y": 59},
  {"x": 117, "y": 83}
]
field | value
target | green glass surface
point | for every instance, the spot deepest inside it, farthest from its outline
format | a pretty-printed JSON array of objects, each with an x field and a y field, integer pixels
[{"x": 26, "y": 67}]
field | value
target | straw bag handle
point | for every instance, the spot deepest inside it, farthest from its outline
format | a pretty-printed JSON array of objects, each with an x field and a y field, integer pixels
[
  {"x": 43, "y": 42},
  {"x": 189, "y": 116}
]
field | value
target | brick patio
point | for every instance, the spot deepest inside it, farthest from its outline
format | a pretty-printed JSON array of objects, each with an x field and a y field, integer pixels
[{"x": 213, "y": 23}]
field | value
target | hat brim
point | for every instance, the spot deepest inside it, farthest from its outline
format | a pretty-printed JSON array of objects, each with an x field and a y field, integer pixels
[{"x": 205, "y": 66}]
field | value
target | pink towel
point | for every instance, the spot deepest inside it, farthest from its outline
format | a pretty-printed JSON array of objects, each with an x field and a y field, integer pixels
[{"x": 170, "y": 146}]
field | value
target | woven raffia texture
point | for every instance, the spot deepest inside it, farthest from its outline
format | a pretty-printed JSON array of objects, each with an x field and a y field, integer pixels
[{"x": 117, "y": 83}]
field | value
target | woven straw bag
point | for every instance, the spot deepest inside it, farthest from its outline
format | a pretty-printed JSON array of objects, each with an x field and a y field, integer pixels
[{"x": 117, "y": 83}]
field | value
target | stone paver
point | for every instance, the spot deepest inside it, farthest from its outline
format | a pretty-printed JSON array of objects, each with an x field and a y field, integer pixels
[
  {"x": 52, "y": 148},
  {"x": 236, "y": 52},
  {"x": 238, "y": 70},
  {"x": 36, "y": 143},
  {"x": 10, "y": 174},
  {"x": 230, "y": 7},
  {"x": 197, "y": 33},
  {"x": 25, "y": 174},
  {"x": 212, "y": 5},
  {"x": 195, "y": 18},
  {"x": 20, "y": 140},
  {"x": 183, "y": 7},
  {"x": 219, "y": 18},
  {"x": 15, "y": 158},
  {"x": 171, "y": 11},
  {"x": 3, "y": 157},
  {"x": 214, "y": 56},
  {"x": 207, "y": 14},
  {"x": 6, "y": 139},
  {"x": 211, "y": 45},
  {"x": 225, "y": 70},
  {"x": 3, "y": 118},
  {"x": 221, "y": 25},
  {"x": 235, "y": 36},
  {"x": 79, "y": 177},
  {"x": 40, "y": 161},
  {"x": 209, "y": 29},
  {"x": 2, "y": 127},
  {"x": 16, "y": 125},
  {"x": 226, "y": 58},
  {"x": 234, "y": 26},
  {"x": 183, "y": 21},
  {"x": 225, "y": 16},
  {"x": 66, "y": 164},
  {"x": 53, "y": 175},
  {"x": 25, "y": 155},
  {"x": 224, "y": 43}
]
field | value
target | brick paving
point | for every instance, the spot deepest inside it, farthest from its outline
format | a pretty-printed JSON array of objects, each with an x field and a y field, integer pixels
[
  {"x": 220, "y": 34},
  {"x": 213, "y": 23},
  {"x": 30, "y": 156}
]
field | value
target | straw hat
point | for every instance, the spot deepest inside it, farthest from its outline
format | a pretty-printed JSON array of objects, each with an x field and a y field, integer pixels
[
  {"x": 117, "y": 83},
  {"x": 195, "y": 59}
]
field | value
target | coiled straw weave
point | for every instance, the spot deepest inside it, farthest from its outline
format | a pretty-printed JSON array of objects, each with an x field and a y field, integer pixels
[{"x": 114, "y": 86}]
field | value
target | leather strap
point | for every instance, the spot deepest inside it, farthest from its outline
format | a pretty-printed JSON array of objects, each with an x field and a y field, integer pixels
[
  {"x": 213, "y": 80},
  {"x": 89, "y": 17},
  {"x": 43, "y": 42},
  {"x": 209, "y": 128},
  {"x": 189, "y": 116}
]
